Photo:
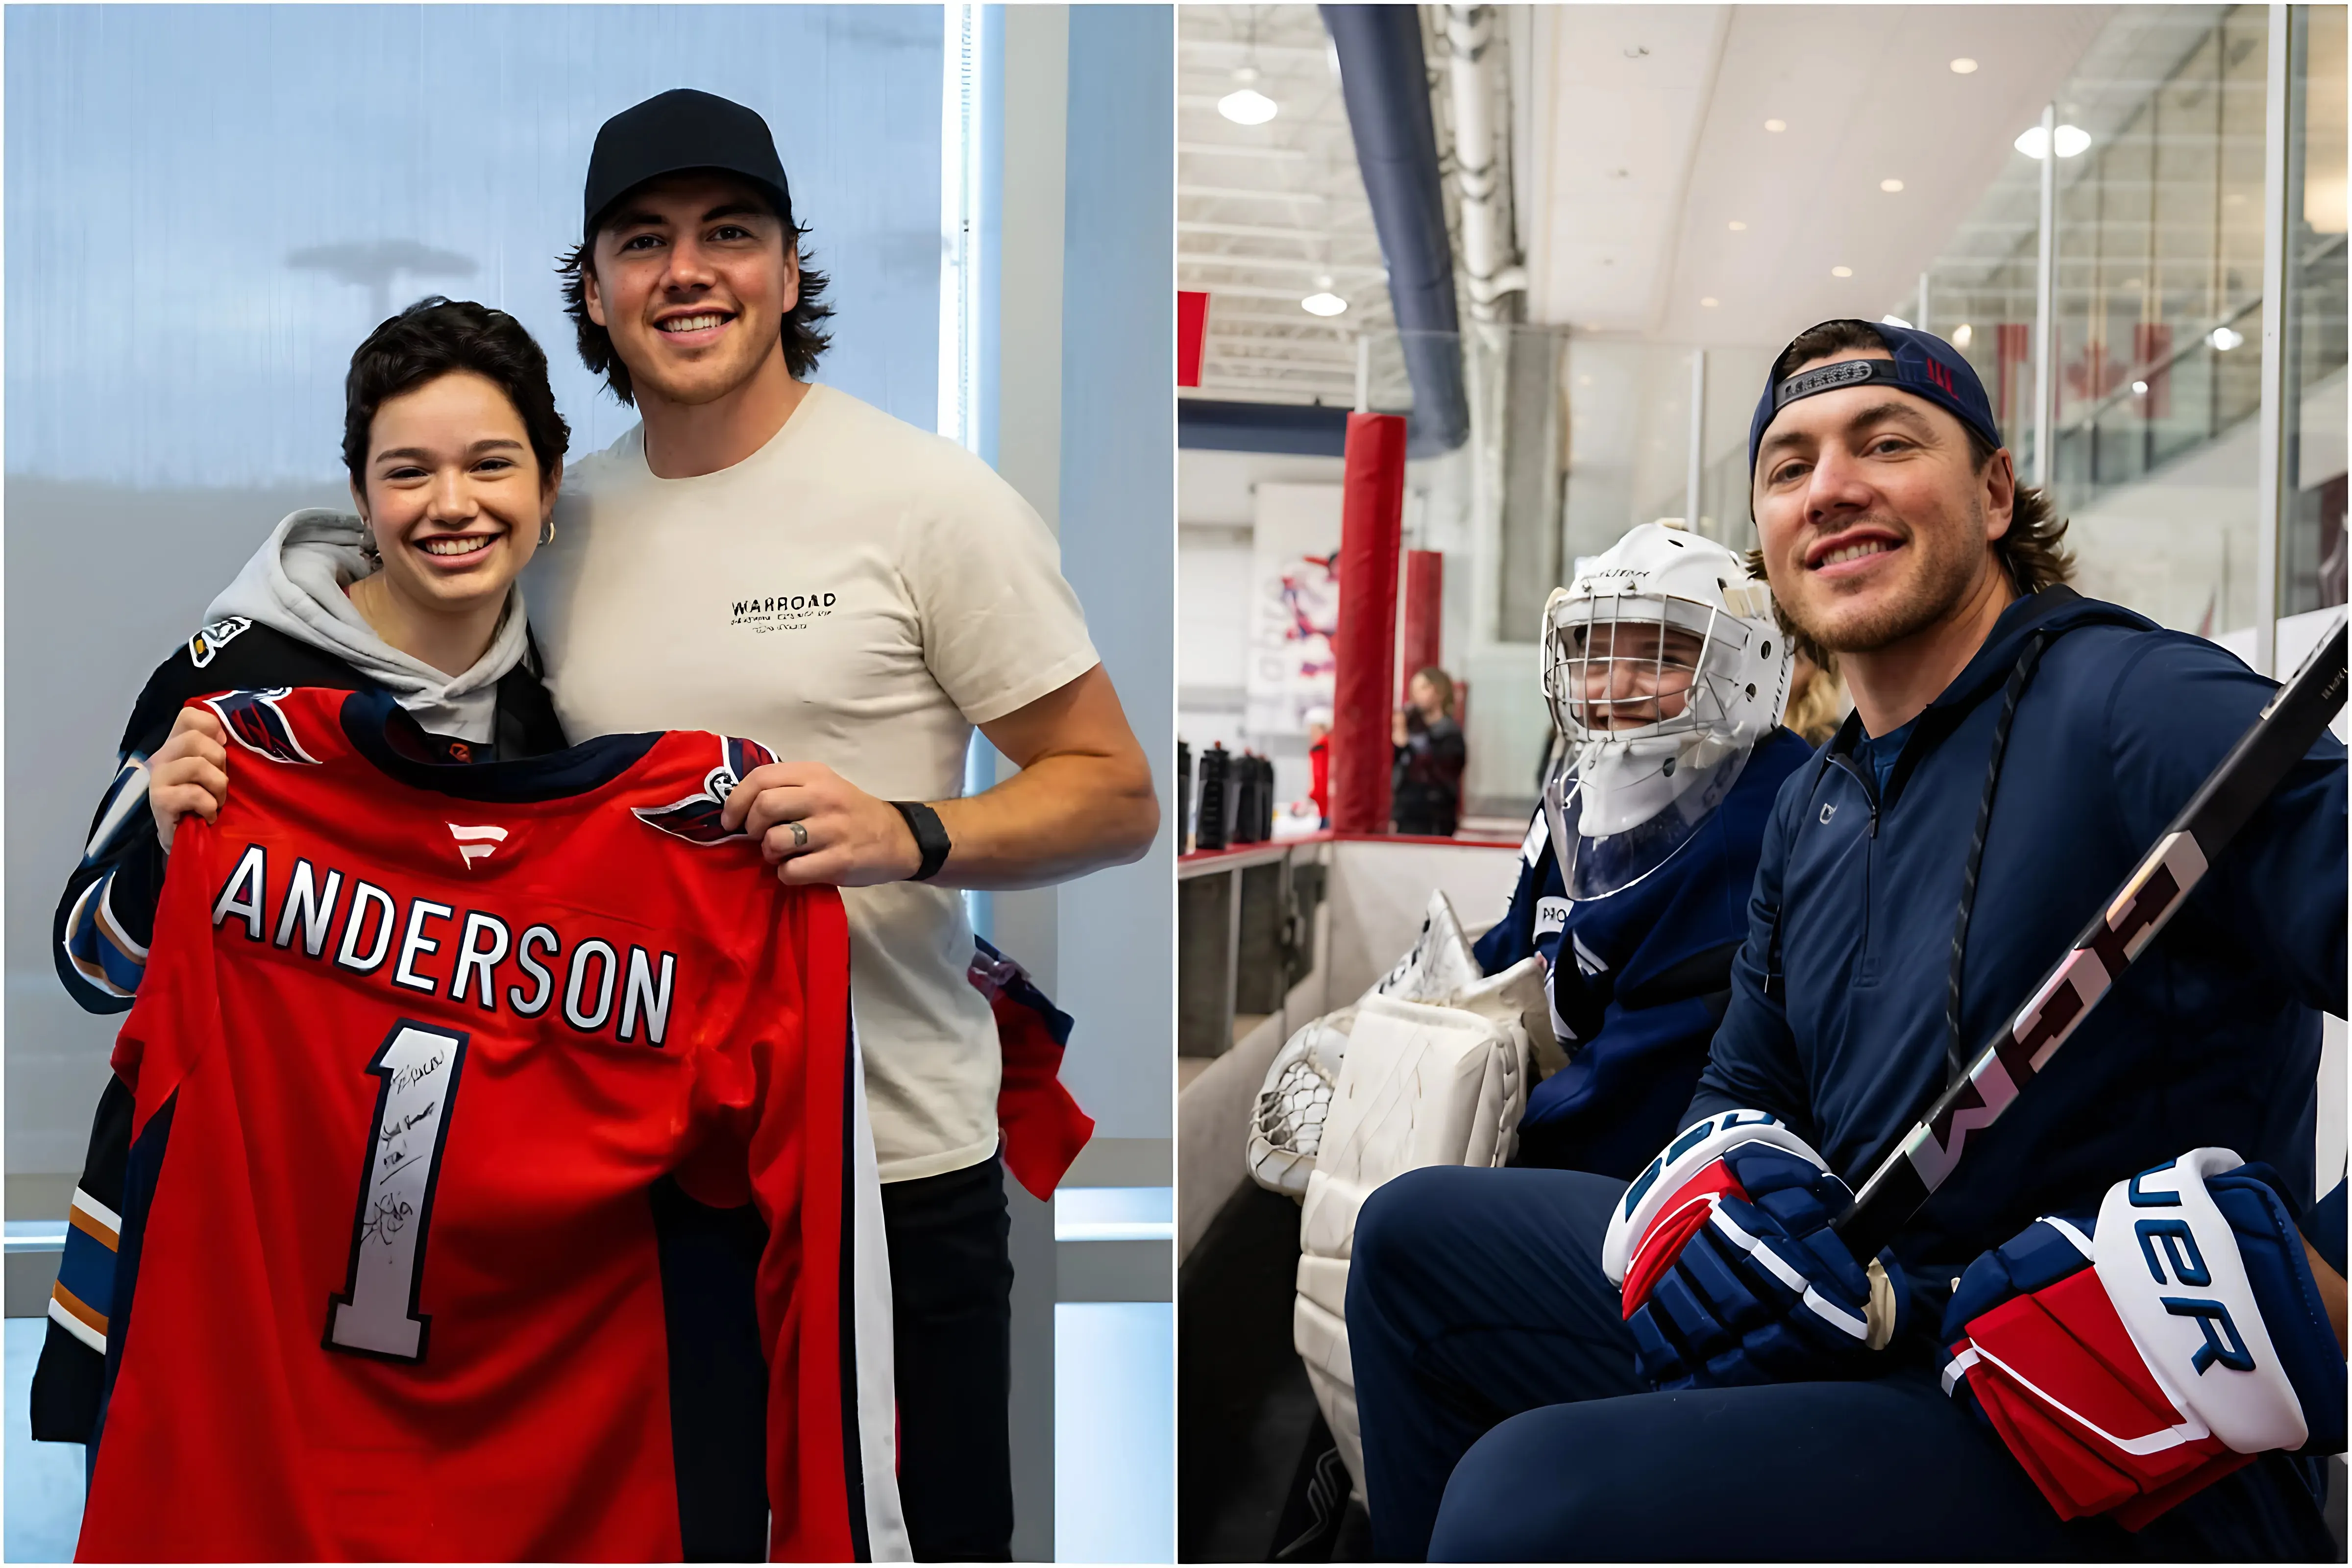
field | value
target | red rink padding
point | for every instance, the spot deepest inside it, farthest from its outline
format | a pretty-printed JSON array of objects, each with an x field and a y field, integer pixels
[
  {"x": 1680, "y": 1220},
  {"x": 1371, "y": 526},
  {"x": 1424, "y": 617}
]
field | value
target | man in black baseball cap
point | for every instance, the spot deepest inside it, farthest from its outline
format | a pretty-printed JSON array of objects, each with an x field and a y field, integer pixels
[
  {"x": 767, "y": 556},
  {"x": 674, "y": 132},
  {"x": 659, "y": 172}
]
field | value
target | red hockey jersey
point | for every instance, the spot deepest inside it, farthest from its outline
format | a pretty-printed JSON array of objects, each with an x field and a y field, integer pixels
[{"x": 499, "y": 1185}]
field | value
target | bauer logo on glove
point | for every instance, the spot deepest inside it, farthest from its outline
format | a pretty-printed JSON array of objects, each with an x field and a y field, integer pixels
[{"x": 2131, "y": 1358}]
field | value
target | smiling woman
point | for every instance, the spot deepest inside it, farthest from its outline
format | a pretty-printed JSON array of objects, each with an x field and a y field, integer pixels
[{"x": 455, "y": 451}]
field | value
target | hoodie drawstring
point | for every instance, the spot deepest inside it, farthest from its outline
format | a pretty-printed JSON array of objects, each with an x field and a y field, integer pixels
[{"x": 1956, "y": 1060}]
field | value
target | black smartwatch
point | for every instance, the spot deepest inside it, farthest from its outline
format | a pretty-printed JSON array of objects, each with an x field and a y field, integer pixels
[{"x": 930, "y": 838}]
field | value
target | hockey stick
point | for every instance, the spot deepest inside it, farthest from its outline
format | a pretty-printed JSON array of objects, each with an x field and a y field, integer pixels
[{"x": 2116, "y": 935}]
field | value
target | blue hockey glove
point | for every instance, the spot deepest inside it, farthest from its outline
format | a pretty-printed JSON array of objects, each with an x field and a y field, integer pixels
[
  {"x": 2132, "y": 1358},
  {"x": 1729, "y": 1271}
]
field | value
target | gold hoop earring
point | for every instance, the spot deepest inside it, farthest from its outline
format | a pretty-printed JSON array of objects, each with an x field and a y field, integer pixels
[
  {"x": 373, "y": 556},
  {"x": 547, "y": 530}
]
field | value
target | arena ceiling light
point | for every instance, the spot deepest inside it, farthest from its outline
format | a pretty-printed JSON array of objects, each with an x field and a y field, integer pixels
[
  {"x": 1962, "y": 335},
  {"x": 2073, "y": 142},
  {"x": 1964, "y": 66},
  {"x": 1323, "y": 302},
  {"x": 2224, "y": 339},
  {"x": 1890, "y": 186},
  {"x": 1245, "y": 105},
  {"x": 1776, "y": 126},
  {"x": 1840, "y": 271}
]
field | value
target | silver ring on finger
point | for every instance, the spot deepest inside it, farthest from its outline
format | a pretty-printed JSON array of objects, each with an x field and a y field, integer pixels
[{"x": 800, "y": 834}]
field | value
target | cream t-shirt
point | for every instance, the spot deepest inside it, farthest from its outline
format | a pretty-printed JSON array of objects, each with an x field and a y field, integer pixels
[{"x": 857, "y": 593}]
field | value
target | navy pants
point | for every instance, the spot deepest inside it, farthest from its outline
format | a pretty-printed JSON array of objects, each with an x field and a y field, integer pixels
[{"x": 1503, "y": 1420}]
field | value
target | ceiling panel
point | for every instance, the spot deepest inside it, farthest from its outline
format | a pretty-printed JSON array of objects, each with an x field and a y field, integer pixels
[{"x": 1266, "y": 213}]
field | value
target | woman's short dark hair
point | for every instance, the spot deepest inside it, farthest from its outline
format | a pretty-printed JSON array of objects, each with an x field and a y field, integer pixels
[
  {"x": 804, "y": 335},
  {"x": 436, "y": 337}
]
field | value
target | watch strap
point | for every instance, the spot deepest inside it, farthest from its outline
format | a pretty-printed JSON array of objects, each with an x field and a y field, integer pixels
[{"x": 930, "y": 838}]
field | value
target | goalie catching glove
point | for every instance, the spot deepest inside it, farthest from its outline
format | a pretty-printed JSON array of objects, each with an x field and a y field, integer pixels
[
  {"x": 2132, "y": 1358},
  {"x": 1729, "y": 1271}
]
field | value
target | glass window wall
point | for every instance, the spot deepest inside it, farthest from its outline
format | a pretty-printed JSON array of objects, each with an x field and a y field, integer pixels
[
  {"x": 2312, "y": 538},
  {"x": 2158, "y": 310}
]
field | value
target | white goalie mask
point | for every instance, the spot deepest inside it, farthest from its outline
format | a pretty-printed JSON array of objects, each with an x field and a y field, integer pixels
[{"x": 1663, "y": 667}]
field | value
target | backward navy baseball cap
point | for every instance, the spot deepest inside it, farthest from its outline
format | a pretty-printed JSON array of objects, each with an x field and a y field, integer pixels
[
  {"x": 1924, "y": 365},
  {"x": 672, "y": 133}
]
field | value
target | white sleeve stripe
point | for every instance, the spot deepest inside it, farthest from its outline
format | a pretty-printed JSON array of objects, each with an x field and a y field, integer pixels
[
  {"x": 109, "y": 926},
  {"x": 96, "y": 1211},
  {"x": 97, "y": 977},
  {"x": 127, "y": 795},
  {"x": 93, "y": 972},
  {"x": 76, "y": 1327}
]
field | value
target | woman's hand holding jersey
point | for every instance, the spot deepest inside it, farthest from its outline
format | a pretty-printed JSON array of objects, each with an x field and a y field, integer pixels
[
  {"x": 1731, "y": 1272},
  {"x": 188, "y": 775},
  {"x": 2132, "y": 1356}
]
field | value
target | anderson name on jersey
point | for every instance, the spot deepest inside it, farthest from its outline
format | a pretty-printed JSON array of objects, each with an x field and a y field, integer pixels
[{"x": 499, "y": 1185}]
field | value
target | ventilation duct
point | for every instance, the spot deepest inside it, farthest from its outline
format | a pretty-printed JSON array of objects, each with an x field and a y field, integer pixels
[
  {"x": 1384, "y": 79},
  {"x": 1489, "y": 252}
]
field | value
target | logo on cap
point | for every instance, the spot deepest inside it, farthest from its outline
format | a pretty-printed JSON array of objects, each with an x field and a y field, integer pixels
[{"x": 1829, "y": 376}]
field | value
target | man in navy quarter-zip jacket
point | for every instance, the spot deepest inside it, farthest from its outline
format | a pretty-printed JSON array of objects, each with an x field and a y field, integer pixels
[{"x": 2002, "y": 722}]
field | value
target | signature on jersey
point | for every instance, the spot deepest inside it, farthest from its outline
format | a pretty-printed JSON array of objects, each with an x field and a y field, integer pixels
[{"x": 387, "y": 1217}]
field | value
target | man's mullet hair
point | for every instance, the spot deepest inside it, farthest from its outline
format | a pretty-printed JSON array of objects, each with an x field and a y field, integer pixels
[
  {"x": 2033, "y": 551},
  {"x": 805, "y": 337}
]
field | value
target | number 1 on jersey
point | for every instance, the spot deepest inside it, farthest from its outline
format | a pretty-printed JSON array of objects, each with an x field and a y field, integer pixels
[{"x": 375, "y": 1312}]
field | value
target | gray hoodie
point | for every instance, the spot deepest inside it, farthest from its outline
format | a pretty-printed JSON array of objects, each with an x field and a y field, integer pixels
[{"x": 295, "y": 584}]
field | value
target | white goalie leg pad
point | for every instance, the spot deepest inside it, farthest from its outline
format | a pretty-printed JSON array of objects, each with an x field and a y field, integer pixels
[
  {"x": 2169, "y": 1261},
  {"x": 1420, "y": 1085}
]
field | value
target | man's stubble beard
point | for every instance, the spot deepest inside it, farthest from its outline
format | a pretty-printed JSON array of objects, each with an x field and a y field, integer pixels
[
  {"x": 696, "y": 394},
  {"x": 1939, "y": 588}
]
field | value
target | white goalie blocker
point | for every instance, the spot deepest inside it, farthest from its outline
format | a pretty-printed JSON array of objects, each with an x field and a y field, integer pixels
[{"x": 1430, "y": 1067}]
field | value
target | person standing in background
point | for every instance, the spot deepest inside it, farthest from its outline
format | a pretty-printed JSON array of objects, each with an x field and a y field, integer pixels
[
  {"x": 1426, "y": 788},
  {"x": 767, "y": 556},
  {"x": 1318, "y": 764}
]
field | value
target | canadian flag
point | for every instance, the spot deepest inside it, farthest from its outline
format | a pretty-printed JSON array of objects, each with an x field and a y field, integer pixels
[{"x": 475, "y": 843}]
